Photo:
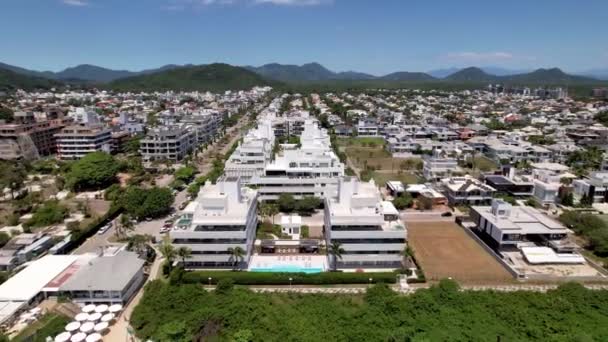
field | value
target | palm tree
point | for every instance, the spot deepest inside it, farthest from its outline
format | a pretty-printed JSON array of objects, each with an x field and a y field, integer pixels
[
  {"x": 336, "y": 250},
  {"x": 124, "y": 225},
  {"x": 273, "y": 210},
  {"x": 236, "y": 255},
  {"x": 168, "y": 252},
  {"x": 184, "y": 253}
]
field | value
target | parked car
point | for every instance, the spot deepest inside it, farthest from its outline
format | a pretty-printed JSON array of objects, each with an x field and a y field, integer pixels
[
  {"x": 104, "y": 229},
  {"x": 446, "y": 214}
]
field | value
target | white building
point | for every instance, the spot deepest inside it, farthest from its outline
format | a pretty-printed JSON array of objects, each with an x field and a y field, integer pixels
[
  {"x": 223, "y": 217},
  {"x": 167, "y": 143},
  {"x": 436, "y": 167},
  {"x": 509, "y": 226},
  {"x": 253, "y": 154},
  {"x": 595, "y": 186},
  {"x": 311, "y": 170},
  {"x": 368, "y": 229},
  {"x": 467, "y": 190},
  {"x": 74, "y": 142},
  {"x": 367, "y": 128}
]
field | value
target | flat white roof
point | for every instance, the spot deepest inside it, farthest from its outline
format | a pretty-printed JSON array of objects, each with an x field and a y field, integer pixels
[
  {"x": 546, "y": 255},
  {"x": 26, "y": 284}
]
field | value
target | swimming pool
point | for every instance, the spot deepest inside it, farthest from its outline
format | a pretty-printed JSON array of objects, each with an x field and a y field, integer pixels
[{"x": 287, "y": 269}]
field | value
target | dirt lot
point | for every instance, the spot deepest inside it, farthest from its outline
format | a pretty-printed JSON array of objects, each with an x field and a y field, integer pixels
[{"x": 444, "y": 250}]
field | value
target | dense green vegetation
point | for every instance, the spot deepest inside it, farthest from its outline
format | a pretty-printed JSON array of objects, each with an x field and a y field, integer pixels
[
  {"x": 442, "y": 313},
  {"x": 591, "y": 227},
  {"x": 212, "y": 77},
  {"x": 10, "y": 80},
  {"x": 50, "y": 212},
  {"x": 304, "y": 206},
  {"x": 95, "y": 170},
  {"x": 142, "y": 203}
]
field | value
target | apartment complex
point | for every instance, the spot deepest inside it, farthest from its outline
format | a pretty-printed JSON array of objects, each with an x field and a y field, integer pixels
[
  {"x": 29, "y": 139},
  {"x": 253, "y": 154},
  {"x": 74, "y": 142},
  {"x": 311, "y": 170},
  {"x": 467, "y": 190},
  {"x": 223, "y": 217},
  {"x": 436, "y": 167},
  {"x": 368, "y": 229},
  {"x": 167, "y": 143},
  {"x": 595, "y": 187}
]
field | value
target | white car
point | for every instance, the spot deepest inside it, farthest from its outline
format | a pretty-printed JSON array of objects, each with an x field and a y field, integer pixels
[{"x": 104, "y": 229}]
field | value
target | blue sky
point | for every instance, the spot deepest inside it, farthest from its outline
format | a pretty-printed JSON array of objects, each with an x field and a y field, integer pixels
[{"x": 376, "y": 36}]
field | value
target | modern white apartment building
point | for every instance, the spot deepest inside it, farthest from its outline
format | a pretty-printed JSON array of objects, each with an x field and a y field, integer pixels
[
  {"x": 311, "y": 170},
  {"x": 74, "y": 142},
  {"x": 167, "y": 143},
  {"x": 224, "y": 216},
  {"x": 367, "y": 128},
  {"x": 368, "y": 229},
  {"x": 253, "y": 154},
  {"x": 204, "y": 123},
  {"x": 436, "y": 167}
]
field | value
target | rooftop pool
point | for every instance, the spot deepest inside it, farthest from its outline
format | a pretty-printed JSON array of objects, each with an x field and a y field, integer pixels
[{"x": 287, "y": 269}]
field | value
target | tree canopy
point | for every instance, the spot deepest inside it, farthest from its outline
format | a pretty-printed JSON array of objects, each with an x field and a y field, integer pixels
[
  {"x": 94, "y": 171},
  {"x": 146, "y": 203},
  {"x": 441, "y": 313}
]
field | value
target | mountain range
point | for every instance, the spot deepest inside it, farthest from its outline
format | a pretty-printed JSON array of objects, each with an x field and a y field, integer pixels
[{"x": 220, "y": 76}]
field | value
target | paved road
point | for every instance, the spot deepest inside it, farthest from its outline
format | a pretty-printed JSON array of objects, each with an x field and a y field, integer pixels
[{"x": 95, "y": 242}]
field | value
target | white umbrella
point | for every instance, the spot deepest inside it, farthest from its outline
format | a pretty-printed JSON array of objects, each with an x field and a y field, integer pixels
[
  {"x": 72, "y": 326},
  {"x": 35, "y": 310},
  {"x": 94, "y": 317},
  {"x": 78, "y": 337},
  {"x": 88, "y": 308},
  {"x": 87, "y": 327},
  {"x": 63, "y": 337},
  {"x": 101, "y": 308},
  {"x": 101, "y": 326},
  {"x": 115, "y": 308},
  {"x": 107, "y": 317},
  {"x": 82, "y": 317},
  {"x": 95, "y": 337}
]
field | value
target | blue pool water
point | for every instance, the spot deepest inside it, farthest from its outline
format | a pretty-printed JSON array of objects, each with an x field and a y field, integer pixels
[{"x": 287, "y": 269}]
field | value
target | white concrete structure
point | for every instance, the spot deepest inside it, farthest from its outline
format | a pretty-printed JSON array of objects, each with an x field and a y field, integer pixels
[
  {"x": 595, "y": 186},
  {"x": 509, "y": 226},
  {"x": 74, "y": 142},
  {"x": 368, "y": 229},
  {"x": 225, "y": 217},
  {"x": 167, "y": 143},
  {"x": 311, "y": 170},
  {"x": 436, "y": 167},
  {"x": 467, "y": 190},
  {"x": 252, "y": 155}
]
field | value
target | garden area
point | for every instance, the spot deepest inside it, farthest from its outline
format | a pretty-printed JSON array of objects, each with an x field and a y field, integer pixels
[
  {"x": 48, "y": 325},
  {"x": 187, "y": 312}
]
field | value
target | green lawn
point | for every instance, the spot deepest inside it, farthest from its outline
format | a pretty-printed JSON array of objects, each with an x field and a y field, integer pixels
[
  {"x": 48, "y": 325},
  {"x": 484, "y": 164},
  {"x": 407, "y": 178}
]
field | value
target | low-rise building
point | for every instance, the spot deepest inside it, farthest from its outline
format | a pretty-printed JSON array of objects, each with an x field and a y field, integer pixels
[
  {"x": 507, "y": 226},
  {"x": 594, "y": 187},
  {"x": 171, "y": 143},
  {"x": 74, "y": 142},
  {"x": 467, "y": 190}
]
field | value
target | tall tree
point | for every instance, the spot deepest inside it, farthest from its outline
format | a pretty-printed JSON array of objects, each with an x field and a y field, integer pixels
[
  {"x": 236, "y": 255},
  {"x": 168, "y": 252},
  {"x": 336, "y": 251},
  {"x": 184, "y": 253}
]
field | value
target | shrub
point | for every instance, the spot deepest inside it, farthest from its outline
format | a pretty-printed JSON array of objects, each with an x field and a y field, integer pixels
[
  {"x": 272, "y": 278},
  {"x": 49, "y": 213}
]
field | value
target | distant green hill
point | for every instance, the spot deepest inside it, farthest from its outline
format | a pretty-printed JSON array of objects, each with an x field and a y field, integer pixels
[
  {"x": 472, "y": 74},
  {"x": 212, "y": 77},
  {"x": 10, "y": 80}
]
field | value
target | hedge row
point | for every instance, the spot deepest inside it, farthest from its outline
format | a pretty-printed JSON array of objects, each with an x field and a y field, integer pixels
[{"x": 272, "y": 278}]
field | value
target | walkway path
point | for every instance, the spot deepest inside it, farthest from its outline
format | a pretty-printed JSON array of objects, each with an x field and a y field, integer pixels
[{"x": 118, "y": 331}]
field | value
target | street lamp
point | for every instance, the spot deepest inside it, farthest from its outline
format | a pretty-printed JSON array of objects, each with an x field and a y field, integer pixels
[
  {"x": 209, "y": 282},
  {"x": 290, "y": 279}
]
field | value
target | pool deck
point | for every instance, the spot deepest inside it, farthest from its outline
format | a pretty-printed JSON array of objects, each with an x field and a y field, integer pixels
[{"x": 307, "y": 263}]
